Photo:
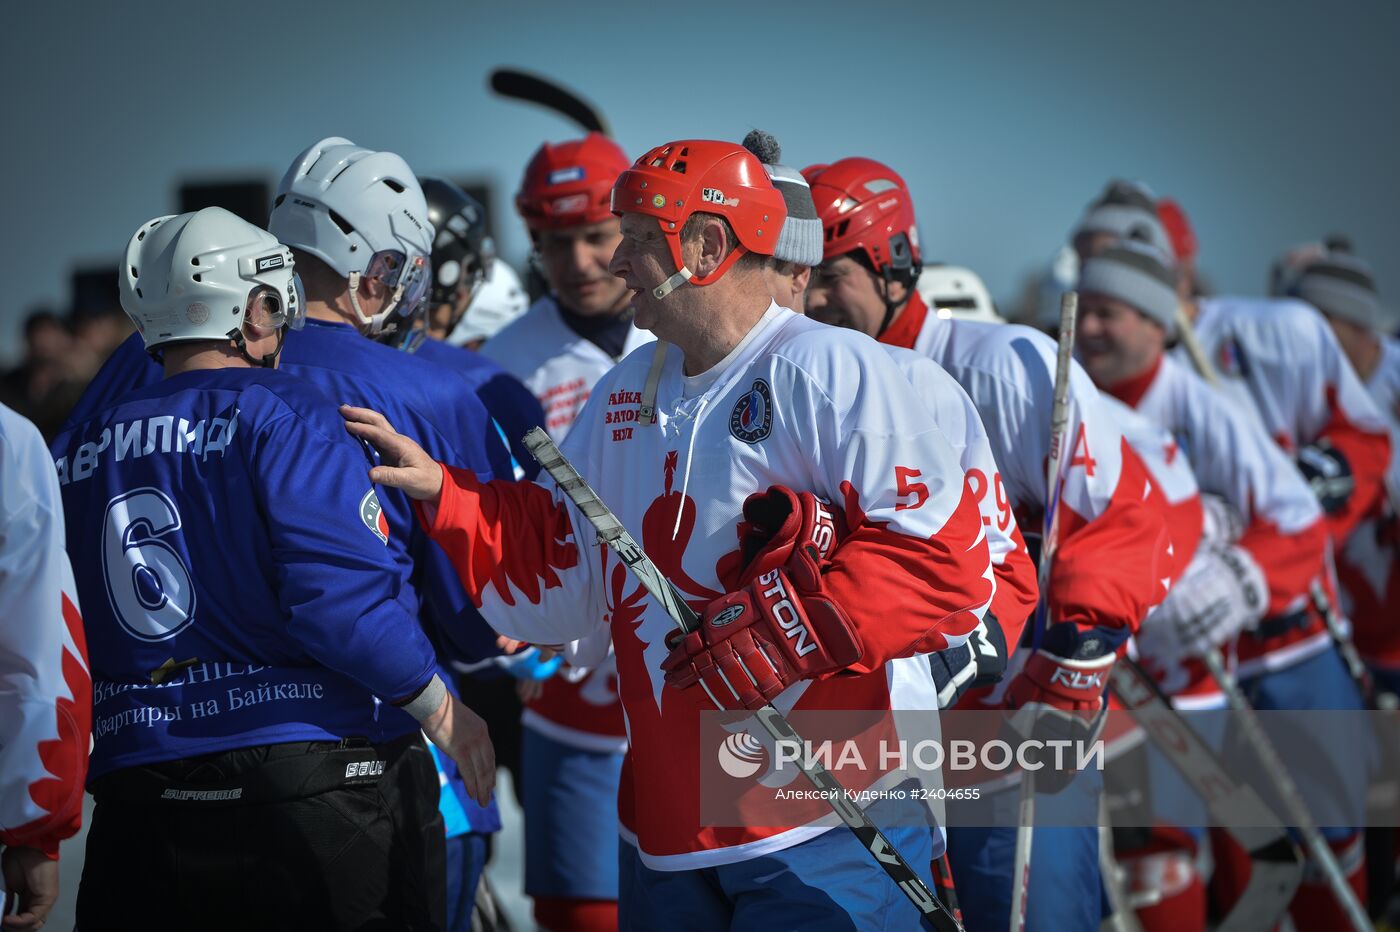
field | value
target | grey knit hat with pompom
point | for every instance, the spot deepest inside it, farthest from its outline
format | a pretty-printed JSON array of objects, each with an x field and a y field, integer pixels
[{"x": 800, "y": 241}]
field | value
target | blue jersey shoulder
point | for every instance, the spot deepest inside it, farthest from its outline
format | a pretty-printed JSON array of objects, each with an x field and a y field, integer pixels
[{"x": 354, "y": 370}]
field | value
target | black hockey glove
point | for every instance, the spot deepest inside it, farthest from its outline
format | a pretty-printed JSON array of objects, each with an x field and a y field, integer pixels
[{"x": 1329, "y": 474}]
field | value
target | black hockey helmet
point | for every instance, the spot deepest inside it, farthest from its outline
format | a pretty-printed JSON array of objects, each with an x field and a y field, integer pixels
[{"x": 462, "y": 252}]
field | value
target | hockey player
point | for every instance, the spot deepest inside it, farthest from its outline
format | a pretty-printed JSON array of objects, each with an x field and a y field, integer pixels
[
  {"x": 357, "y": 221},
  {"x": 1279, "y": 360},
  {"x": 463, "y": 255},
  {"x": 460, "y": 244},
  {"x": 496, "y": 302},
  {"x": 1109, "y": 566},
  {"x": 798, "y": 250},
  {"x": 580, "y": 330},
  {"x": 749, "y": 397},
  {"x": 573, "y": 734},
  {"x": 1342, "y": 287},
  {"x": 1261, "y": 582},
  {"x": 45, "y": 683},
  {"x": 257, "y": 665}
]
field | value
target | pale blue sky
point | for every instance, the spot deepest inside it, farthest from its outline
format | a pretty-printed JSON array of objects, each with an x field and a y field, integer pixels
[{"x": 1271, "y": 122}]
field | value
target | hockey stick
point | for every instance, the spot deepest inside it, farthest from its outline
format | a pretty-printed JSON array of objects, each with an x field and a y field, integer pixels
[
  {"x": 1253, "y": 731},
  {"x": 615, "y": 536},
  {"x": 521, "y": 85},
  {"x": 1054, "y": 483},
  {"x": 1276, "y": 868},
  {"x": 1292, "y": 799}
]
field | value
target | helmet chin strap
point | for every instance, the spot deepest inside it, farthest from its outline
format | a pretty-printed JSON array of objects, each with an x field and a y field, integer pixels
[
  {"x": 889, "y": 305},
  {"x": 683, "y": 274},
  {"x": 672, "y": 283},
  {"x": 268, "y": 360},
  {"x": 376, "y": 324}
]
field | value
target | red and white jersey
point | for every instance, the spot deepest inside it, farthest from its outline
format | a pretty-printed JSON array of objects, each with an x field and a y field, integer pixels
[
  {"x": 1279, "y": 359},
  {"x": 1234, "y": 459},
  {"x": 45, "y": 682},
  {"x": 955, "y": 414},
  {"x": 555, "y": 363},
  {"x": 1111, "y": 559},
  {"x": 560, "y": 368},
  {"x": 796, "y": 403},
  {"x": 1368, "y": 564},
  {"x": 1189, "y": 684}
]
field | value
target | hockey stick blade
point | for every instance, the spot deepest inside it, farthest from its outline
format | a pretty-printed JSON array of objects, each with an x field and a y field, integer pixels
[
  {"x": 521, "y": 85},
  {"x": 615, "y": 536},
  {"x": 1276, "y": 867}
]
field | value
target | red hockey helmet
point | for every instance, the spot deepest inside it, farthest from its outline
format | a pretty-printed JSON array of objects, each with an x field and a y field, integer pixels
[
  {"x": 675, "y": 180},
  {"x": 567, "y": 185},
  {"x": 865, "y": 206}
]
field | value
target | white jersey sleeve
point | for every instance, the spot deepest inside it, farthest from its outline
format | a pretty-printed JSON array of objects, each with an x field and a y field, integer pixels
[{"x": 45, "y": 682}]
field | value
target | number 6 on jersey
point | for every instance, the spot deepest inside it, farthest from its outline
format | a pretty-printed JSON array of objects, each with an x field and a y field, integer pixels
[{"x": 147, "y": 583}]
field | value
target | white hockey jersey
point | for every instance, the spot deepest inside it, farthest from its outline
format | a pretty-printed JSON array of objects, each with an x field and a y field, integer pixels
[
  {"x": 956, "y": 416},
  {"x": 1111, "y": 563},
  {"x": 1368, "y": 564},
  {"x": 1232, "y": 457},
  {"x": 1280, "y": 360},
  {"x": 1188, "y": 683},
  {"x": 45, "y": 682},
  {"x": 555, "y": 363},
  {"x": 560, "y": 368},
  {"x": 798, "y": 404}
]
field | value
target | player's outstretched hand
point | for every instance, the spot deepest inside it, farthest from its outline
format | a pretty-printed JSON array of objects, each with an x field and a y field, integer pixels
[
  {"x": 405, "y": 464},
  {"x": 462, "y": 736},
  {"x": 32, "y": 880}
]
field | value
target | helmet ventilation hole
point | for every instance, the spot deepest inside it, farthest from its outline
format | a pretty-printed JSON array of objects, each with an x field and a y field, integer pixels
[{"x": 341, "y": 222}]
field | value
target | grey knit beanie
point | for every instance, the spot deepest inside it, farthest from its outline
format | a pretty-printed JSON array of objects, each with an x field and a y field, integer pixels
[
  {"x": 800, "y": 240},
  {"x": 1137, "y": 274},
  {"x": 1128, "y": 210},
  {"x": 1339, "y": 285}
]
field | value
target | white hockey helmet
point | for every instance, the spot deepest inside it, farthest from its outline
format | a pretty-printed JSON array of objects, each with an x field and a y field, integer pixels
[
  {"x": 500, "y": 299},
  {"x": 956, "y": 292},
  {"x": 193, "y": 277},
  {"x": 363, "y": 214}
]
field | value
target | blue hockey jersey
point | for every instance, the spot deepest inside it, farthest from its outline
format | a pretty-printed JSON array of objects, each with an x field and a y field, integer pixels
[
  {"x": 511, "y": 405},
  {"x": 426, "y": 401},
  {"x": 237, "y": 572}
]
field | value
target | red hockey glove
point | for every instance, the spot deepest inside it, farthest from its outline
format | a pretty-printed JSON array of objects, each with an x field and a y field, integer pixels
[
  {"x": 782, "y": 626},
  {"x": 1059, "y": 694},
  {"x": 775, "y": 523}
]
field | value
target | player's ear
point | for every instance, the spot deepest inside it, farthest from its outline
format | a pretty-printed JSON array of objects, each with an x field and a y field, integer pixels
[
  {"x": 896, "y": 291},
  {"x": 713, "y": 245}
]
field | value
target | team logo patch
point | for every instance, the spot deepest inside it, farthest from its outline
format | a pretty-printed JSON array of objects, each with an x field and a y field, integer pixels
[
  {"x": 570, "y": 204},
  {"x": 1231, "y": 359},
  {"x": 752, "y": 417},
  {"x": 563, "y": 175},
  {"x": 268, "y": 263},
  {"x": 372, "y": 514},
  {"x": 197, "y": 312},
  {"x": 732, "y": 613}
]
